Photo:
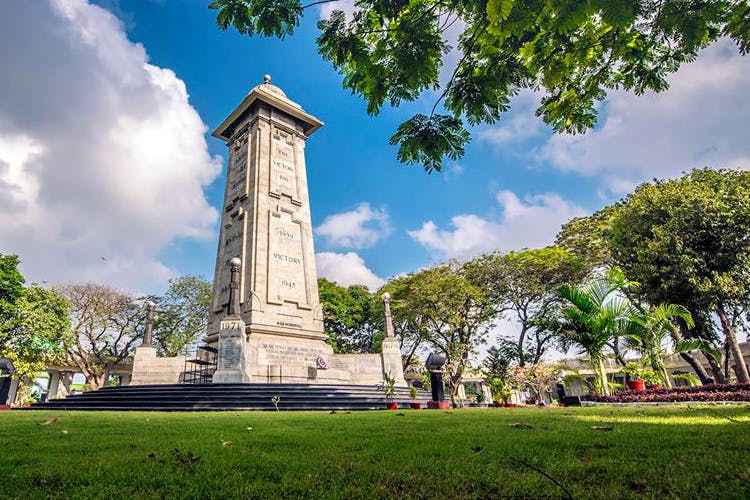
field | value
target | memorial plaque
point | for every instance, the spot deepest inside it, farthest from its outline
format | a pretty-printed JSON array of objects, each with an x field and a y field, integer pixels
[
  {"x": 286, "y": 266},
  {"x": 230, "y": 352},
  {"x": 283, "y": 171}
]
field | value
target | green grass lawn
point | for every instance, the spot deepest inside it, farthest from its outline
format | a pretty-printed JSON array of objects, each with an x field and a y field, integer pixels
[{"x": 686, "y": 452}]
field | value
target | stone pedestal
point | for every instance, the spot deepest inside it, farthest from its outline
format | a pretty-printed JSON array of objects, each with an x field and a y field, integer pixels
[
  {"x": 392, "y": 363},
  {"x": 232, "y": 358},
  {"x": 150, "y": 369},
  {"x": 54, "y": 384}
]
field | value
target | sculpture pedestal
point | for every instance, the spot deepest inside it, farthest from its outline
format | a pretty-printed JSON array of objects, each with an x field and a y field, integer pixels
[
  {"x": 392, "y": 363},
  {"x": 232, "y": 357}
]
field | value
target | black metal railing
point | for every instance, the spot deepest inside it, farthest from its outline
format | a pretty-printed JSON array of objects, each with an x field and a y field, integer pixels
[{"x": 201, "y": 368}]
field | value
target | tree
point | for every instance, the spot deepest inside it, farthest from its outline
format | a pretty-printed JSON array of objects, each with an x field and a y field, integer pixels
[
  {"x": 39, "y": 328},
  {"x": 349, "y": 317},
  {"x": 524, "y": 284},
  {"x": 455, "y": 313},
  {"x": 685, "y": 241},
  {"x": 410, "y": 326},
  {"x": 106, "y": 325},
  {"x": 11, "y": 289},
  {"x": 572, "y": 52},
  {"x": 538, "y": 376},
  {"x": 596, "y": 312},
  {"x": 182, "y": 314},
  {"x": 587, "y": 237},
  {"x": 496, "y": 364},
  {"x": 649, "y": 329}
]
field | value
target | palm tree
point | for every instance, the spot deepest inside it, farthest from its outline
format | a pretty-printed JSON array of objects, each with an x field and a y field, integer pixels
[
  {"x": 595, "y": 313},
  {"x": 648, "y": 331}
]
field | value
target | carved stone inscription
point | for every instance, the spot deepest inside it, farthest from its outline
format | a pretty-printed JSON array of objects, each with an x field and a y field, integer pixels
[
  {"x": 237, "y": 171},
  {"x": 230, "y": 348},
  {"x": 283, "y": 172},
  {"x": 231, "y": 246},
  {"x": 286, "y": 267},
  {"x": 290, "y": 354}
]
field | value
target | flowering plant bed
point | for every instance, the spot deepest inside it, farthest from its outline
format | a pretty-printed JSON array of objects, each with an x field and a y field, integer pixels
[{"x": 714, "y": 392}]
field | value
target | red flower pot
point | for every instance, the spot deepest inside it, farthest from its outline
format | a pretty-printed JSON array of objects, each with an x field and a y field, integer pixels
[
  {"x": 393, "y": 405},
  {"x": 415, "y": 406},
  {"x": 636, "y": 385}
]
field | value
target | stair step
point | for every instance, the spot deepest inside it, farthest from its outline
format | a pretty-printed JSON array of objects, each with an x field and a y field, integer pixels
[{"x": 229, "y": 397}]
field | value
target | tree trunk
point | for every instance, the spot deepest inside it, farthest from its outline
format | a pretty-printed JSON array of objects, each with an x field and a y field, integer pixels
[
  {"x": 743, "y": 377},
  {"x": 689, "y": 358},
  {"x": 662, "y": 369},
  {"x": 727, "y": 356},
  {"x": 521, "y": 340},
  {"x": 696, "y": 366},
  {"x": 718, "y": 375},
  {"x": 603, "y": 377}
]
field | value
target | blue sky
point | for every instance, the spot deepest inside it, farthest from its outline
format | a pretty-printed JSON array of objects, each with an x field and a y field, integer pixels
[
  {"x": 108, "y": 171},
  {"x": 349, "y": 161}
]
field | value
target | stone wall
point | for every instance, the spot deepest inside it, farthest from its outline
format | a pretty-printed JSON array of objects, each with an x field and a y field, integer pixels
[{"x": 149, "y": 369}]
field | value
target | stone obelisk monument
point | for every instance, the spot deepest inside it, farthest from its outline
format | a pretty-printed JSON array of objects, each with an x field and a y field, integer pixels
[{"x": 266, "y": 243}]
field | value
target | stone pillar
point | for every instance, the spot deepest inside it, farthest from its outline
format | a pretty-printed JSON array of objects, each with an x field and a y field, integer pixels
[
  {"x": 391, "y": 351},
  {"x": 232, "y": 357},
  {"x": 66, "y": 379},
  {"x": 54, "y": 384},
  {"x": 13, "y": 391},
  {"x": 124, "y": 379},
  {"x": 147, "y": 336}
]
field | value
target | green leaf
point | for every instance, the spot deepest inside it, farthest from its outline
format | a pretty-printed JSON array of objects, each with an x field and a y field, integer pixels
[{"x": 428, "y": 139}]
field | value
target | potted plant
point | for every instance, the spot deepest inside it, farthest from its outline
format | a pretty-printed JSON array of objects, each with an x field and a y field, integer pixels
[
  {"x": 413, "y": 395},
  {"x": 389, "y": 390},
  {"x": 634, "y": 371},
  {"x": 651, "y": 379},
  {"x": 500, "y": 392}
]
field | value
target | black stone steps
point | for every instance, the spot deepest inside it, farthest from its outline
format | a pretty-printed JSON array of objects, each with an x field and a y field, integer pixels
[{"x": 231, "y": 397}]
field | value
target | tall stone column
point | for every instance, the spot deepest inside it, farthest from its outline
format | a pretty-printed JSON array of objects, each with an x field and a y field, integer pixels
[
  {"x": 393, "y": 365},
  {"x": 148, "y": 334},
  {"x": 266, "y": 225}
]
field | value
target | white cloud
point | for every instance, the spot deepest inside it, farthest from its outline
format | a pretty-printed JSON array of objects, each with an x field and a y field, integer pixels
[
  {"x": 518, "y": 124},
  {"x": 359, "y": 228},
  {"x": 347, "y": 6},
  {"x": 346, "y": 269},
  {"x": 702, "y": 120},
  {"x": 102, "y": 159},
  {"x": 528, "y": 223},
  {"x": 453, "y": 170}
]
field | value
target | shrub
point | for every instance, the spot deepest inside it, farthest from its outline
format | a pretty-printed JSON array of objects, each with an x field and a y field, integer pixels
[{"x": 714, "y": 392}]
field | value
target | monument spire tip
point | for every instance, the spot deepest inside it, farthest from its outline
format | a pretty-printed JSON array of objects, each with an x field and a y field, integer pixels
[{"x": 266, "y": 78}]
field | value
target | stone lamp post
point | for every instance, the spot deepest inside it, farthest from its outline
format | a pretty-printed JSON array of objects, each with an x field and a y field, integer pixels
[
  {"x": 234, "y": 286},
  {"x": 434, "y": 364}
]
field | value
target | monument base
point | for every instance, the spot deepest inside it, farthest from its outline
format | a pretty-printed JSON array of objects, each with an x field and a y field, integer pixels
[
  {"x": 232, "y": 358},
  {"x": 150, "y": 369},
  {"x": 299, "y": 359}
]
